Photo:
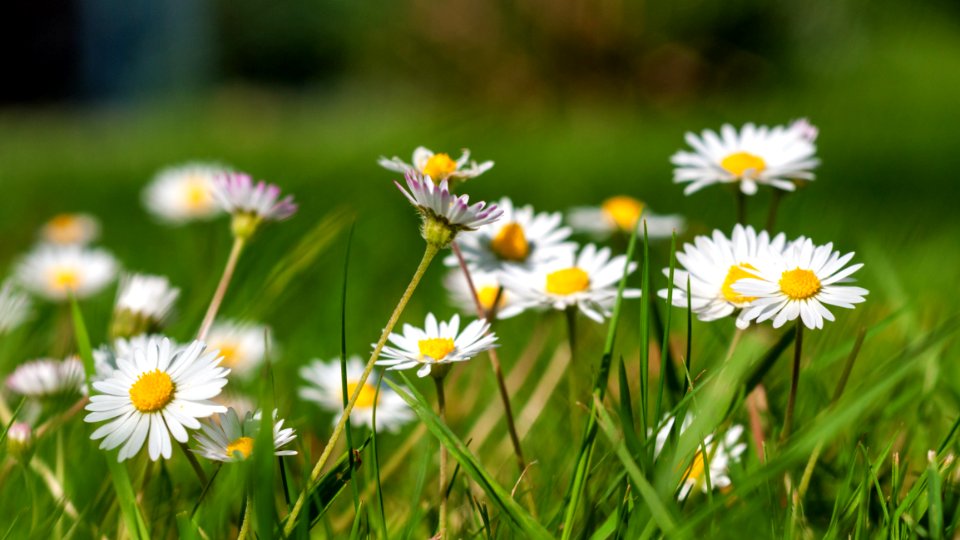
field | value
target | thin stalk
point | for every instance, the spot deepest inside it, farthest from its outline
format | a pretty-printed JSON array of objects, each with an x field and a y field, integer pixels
[
  {"x": 429, "y": 253},
  {"x": 442, "y": 411},
  {"x": 794, "y": 380},
  {"x": 197, "y": 468},
  {"x": 571, "y": 317},
  {"x": 775, "y": 199},
  {"x": 221, "y": 291},
  {"x": 245, "y": 525},
  {"x": 206, "y": 489},
  {"x": 741, "y": 207}
]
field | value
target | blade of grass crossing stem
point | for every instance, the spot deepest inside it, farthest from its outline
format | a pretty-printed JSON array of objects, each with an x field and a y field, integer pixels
[
  {"x": 626, "y": 412},
  {"x": 376, "y": 456},
  {"x": 665, "y": 344},
  {"x": 13, "y": 418},
  {"x": 686, "y": 361},
  {"x": 330, "y": 486},
  {"x": 344, "y": 390},
  {"x": 934, "y": 500},
  {"x": 261, "y": 481},
  {"x": 644, "y": 333},
  {"x": 518, "y": 518},
  {"x": 126, "y": 499}
]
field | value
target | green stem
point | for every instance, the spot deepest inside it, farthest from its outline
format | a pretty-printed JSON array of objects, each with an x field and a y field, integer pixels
[
  {"x": 741, "y": 206},
  {"x": 571, "y": 317},
  {"x": 775, "y": 199},
  {"x": 245, "y": 525},
  {"x": 429, "y": 253},
  {"x": 221, "y": 291},
  {"x": 794, "y": 381},
  {"x": 442, "y": 410}
]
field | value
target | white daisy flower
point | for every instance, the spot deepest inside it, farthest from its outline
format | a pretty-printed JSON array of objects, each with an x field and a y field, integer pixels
[
  {"x": 14, "y": 307},
  {"x": 714, "y": 264},
  {"x": 756, "y": 155},
  {"x": 105, "y": 356},
  {"x": 437, "y": 203},
  {"x": 242, "y": 346},
  {"x": 519, "y": 238},
  {"x": 436, "y": 346},
  {"x": 588, "y": 281},
  {"x": 70, "y": 229},
  {"x": 438, "y": 166},
  {"x": 720, "y": 454},
  {"x": 488, "y": 289},
  {"x": 143, "y": 302},
  {"x": 184, "y": 193},
  {"x": 54, "y": 271},
  {"x": 156, "y": 391},
  {"x": 620, "y": 214},
  {"x": 227, "y": 438},
  {"x": 237, "y": 194},
  {"x": 46, "y": 377},
  {"x": 324, "y": 388},
  {"x": 799, "y": 284}
]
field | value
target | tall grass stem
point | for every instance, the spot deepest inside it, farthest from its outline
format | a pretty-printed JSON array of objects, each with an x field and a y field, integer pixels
[{"x": 221, "y": 291}]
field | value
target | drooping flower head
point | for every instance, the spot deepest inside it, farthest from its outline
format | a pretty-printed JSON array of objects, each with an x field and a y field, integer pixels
[
  {"x": 490, "y": 293},
  {"x": 324, "y": 387},
  {"x": 70, "y": 229},
  {"x": 184, "y": 193},
  {"x": 14, "y": 307},
  {"x": 621, "y": 214},
  {"x": 251, "y": 204},
  {"x": 801, "y": 283},
  {"x": 754, "y": 155},
  {"x": 433, "y": 348},
  {"x": 713, "y": 264},
  {"x": 143, "y": 303},
  {"x": 45, "y": 378},
  {"x": 227, "y": 438},
  {"x": 438, "y": 166},
  {"x": 53, "y": 272},
  {"x": 720, "y": 455},
  {"x": 242, "y": 345},
  {"x": 444, "y": 214},
  {"x": 156, "y": 392},
  {"x": 587, "y": 281}
]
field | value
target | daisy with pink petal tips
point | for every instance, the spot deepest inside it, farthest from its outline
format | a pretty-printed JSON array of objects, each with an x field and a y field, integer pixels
[
  {"x": 251, "y": 203},
  {"x": 445, "y": 214}
]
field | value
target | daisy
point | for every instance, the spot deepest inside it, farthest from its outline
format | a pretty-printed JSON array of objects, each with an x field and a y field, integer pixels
[
  {"x": 143, "y": 303},
  {"x": 324, "y": 387},
  {"x": 488, "y": 289},
  {"x": 53, "y": 272},
  {"x": 519, "y": 238},
  {"x": 620, "y": 214},
  {"x": 436, "y": 346},
  {"x": 68, "y": 229},
  {"x": 237, "y": 194},
  {"x": 799, "y": 284},
  {"x": 227, "y": 438},
  {"x": 438, "y": 166},
  {"x": 720, "y": 455},
  {"x": 184, "y": 193},
  {"x": 14, "y": 307},
  {"x": 46, "y": 377},
  {"x": 714, "y": 264},
  {"x": 588, "y": 281},
  {"x": 755, "y": 155},
  {"x": 105, "y": 356},
  {"x": 156, "y": 391},
  {"x": 242, "y": 346},
  {"x": 444, "y": 214}
]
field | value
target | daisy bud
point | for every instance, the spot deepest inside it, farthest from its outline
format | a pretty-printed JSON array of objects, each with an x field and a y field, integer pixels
[
  {"x": 143, "y": 303},
  {"x": 251, "y": 204},
  {"x": 20, "y": 441}
]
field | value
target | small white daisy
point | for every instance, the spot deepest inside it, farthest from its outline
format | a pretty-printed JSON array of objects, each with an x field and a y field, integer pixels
[
  {"x": 237, "y": 194},
  {"x": 70, "y": 229},
  {"x": 157, "y": 391},
  {"x": 438, "y": 166},
  {"x": 488, "y": 289},
  {"x": 756, "y": 155},
  {"x": 620, "y": 214},
  {"x": 52, "y": 272},
  {"x": 226, "y": 438},
  {"x": 436, "y": 346},
  {"x": 105, "y": 356},
  {"x": 146, "y": 296},
  {"x": 46, "y": 378},
  {"x": 714, "y": 264},
  {"x": 435, "y": 202},
  {"x": 520, "y": 237},
  {"x": 719, "y": 455},
  {"x": 184, "y": 193},
  {"x": 799, "y": 283},
  {"x": 588, "y": 281},
  {"x": 324, "y": 387},
  {"x": 14, "y": 307},
  {"x": 241, "y": 345}
]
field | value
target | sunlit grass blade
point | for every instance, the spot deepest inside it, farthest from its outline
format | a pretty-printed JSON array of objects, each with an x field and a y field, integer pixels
[
  {"x": 331, "y": 485},
  {"x": 376, "y": 459},
  {"x": 344, "y": 389},
  {"x": 665, "y": 366},
  {"x": 263, "y": 475}
]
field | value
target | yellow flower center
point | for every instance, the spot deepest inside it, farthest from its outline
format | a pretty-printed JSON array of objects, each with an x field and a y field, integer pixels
[
  {"x": 740, "y": 164},
  {"x": 695, "y": 471},
  {"x": 229, "y": 356},
  {"x": 244, "y": 445},
  {"x": 436, "y": 348},
  {"x": 196, "y": 194},
  {"x": 64, "y": 279},
  {"x": 152, "y": 391},
  {"x": 488, "y": 295},
  {"x": 567, "y": 281},
  {"x": 439, "y": 166},
  {"x": 736, "y": 273},
  {"x": 510, "y": 243},
  {"x": 368, "y": 395},
  {"x": 800, "y": 284},
  {"x": 624, "y": 211},
  {"x": 64, "y": 229}
]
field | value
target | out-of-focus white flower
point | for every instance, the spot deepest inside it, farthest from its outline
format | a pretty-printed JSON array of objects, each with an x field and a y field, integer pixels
[
  {"x": 143, "y": 303},
  {"x": 438, "y": 166},
  {"x": 621, "y": 214},
  {"x": 437, "y": 345},
  {"x": 52, "y": 272},
  {"x": 183, "y": 193},
  {"x": 47, "y": 378},
  {"x": 242, "y": 345},
  {"x": 70, "y": 229},
  {"x": 720, "y": 454},
  {"x": 226, "y": 438},
  {"x": 488, "y": 291}
]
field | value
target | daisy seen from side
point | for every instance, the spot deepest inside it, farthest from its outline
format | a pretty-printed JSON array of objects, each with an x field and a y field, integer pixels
[
  {"x": 183, "y": 193},
  {"x": 620, "y": 214},
  {"x": 54, "y": 272},
  {"x": 438, "y": 166},
  {"x": 435, "y": 347},
  {"x": 70, "y": 229},
  {"x": 228, "y": 438}
]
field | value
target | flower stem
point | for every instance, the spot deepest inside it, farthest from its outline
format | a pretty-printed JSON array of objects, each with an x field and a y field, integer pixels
[
  {"x": 197, "y": 468},
  {"x": 741, "y": 207},
  {"x": 775, "y": 199},
  {"x": 221, "y": 291},
  {"x": 245, "y": 525},
  {"x": 571, "y": 317},
  {"x": 794, "y": 380},
  {"x": 429, "y": 253},
  {"x": 442, "y": 410}
]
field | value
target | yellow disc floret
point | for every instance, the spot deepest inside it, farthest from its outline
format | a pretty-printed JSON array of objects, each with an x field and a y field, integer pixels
[
  {"x": 152, "y": 391},
  {"x": 436, "y": 348},
  {"x": 243, "y": 445},
  {"x": 567, "y": 281},
  {"x": 488, "y": 295},
  {"x": 228, "y": 355},
  {"x": 64, "y": 229},
  {"x": 742, "y": 164},
  {"x": 510, "y": 243},
  {"x": 735, "y": 274},
  {"x": 64, "y": 279},
  {"x": 368, "y": 395},
  {"x": 439, "y": 166},
  {"x": 800, "y": 284},
  {"x": 623, "y": 211},
  {"x": 196, "y": 193},
  {"x": 695, "y": 471}
]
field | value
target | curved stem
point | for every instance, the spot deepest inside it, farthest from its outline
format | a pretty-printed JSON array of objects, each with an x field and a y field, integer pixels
[
  {"x": 794, "y": 381},
  {"x": 429, "y": 253},
  {"x": 442, "y": 410},
  {"x": 245, "y": 526},
  {"x": 221, "y": 291}
]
